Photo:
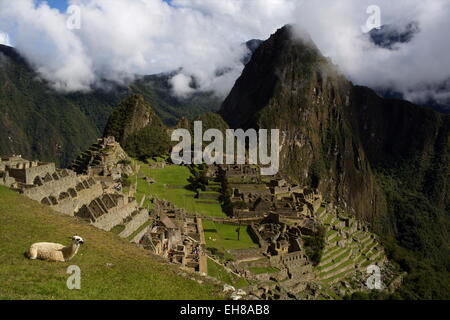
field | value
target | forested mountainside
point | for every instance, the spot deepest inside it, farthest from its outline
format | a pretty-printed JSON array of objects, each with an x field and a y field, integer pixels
[
  {"x": 40, "y": 123},
  {"x": 136, "y": 126}
]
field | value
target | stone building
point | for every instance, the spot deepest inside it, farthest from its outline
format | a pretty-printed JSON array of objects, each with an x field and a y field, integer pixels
[
  {"x": 111, "y": 210},
  {"x": 177, "y": 237},
  {"x": 24, "y": 171},
  {"x": 282, "y": 245}
]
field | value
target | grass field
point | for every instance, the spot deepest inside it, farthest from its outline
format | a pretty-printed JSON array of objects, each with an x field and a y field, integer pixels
[
  {"x": 260, "y": 270},
  {"x": 224, "y": 237},
  {"x": 111, "y": 268},
  {"x": 170, "y": 183}
]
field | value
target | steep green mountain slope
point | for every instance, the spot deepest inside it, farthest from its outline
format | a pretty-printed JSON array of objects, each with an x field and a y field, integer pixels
[
  {"x": 157, "y": 90},
  {"x": 409, "y": 150},
  {"x": 37, "y": 122},
  {"x": 143, "y": 134},
  {"x": 138, "y": 129},
  {"x": 209, "y": 120},
  {"x": 111, "y": 268},
  {"x": 386, "y": 161},
  {"x": 132, "y": 115}
]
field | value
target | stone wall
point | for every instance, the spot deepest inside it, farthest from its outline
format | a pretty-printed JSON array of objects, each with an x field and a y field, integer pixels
[
  {"x": 203, "y": 259},
  {"x": 71, "y": 205},
  {"x": 115, "y": 216},
  {"x": 248, "y": 254},
  {"x": 137, "y": 221},
  {"x": 64, "y": 191},
  {"x": 27, "y": 175},
  {"x": 140, "y": 235},
  {"x": 256, "y": 237},
  {"x": 6, "y": 180},
  {"x": 52, "y": 188}
]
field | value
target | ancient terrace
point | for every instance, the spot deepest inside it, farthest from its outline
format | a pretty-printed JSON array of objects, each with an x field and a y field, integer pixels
[{"x": 83, "y": 196}]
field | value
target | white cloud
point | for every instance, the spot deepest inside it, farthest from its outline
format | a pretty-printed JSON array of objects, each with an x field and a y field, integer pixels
[
  {"x": 181, "y": 85},
  {"x": 121, "y": 38},
  {"x": 4, "y": 39}
]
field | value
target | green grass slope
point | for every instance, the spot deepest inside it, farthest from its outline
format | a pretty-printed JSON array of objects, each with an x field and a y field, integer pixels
[{"x": 111, "y": 268}]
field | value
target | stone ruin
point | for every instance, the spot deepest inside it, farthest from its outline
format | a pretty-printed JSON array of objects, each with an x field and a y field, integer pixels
[
  {"x": 16, "y": 172},
  {"x": 106, "y": 159},
  {"x": 177, "y": 237},
  {"x": 110, "y": 210},
  {"x": 253, "y": 198},
  {"x": 168, "y": 232},
  {"x": 282, "y": 245},
  {"x": 280, "y": 214},
  {"x": 244, "y": 172},
  {"x": 83, "y": 196}
]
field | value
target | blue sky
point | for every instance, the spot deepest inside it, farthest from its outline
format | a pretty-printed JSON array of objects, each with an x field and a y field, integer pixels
[{"x": 61, "y": 5}]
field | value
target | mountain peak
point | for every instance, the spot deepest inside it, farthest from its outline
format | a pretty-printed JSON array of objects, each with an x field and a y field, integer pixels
[
  {"x": 288, "y": 53},
  {"x": 132, "y": 114}
]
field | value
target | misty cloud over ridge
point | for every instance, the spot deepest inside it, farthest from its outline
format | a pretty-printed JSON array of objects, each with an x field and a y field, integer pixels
[{"x": 119, "y": 39}]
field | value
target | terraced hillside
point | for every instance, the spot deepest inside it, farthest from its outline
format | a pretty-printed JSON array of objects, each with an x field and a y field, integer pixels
[
  {"x": 103, "y": 158},
  {"x": 350, "y": 248},
  {"x": 111, "y": 267},
  {"x": 89, "y": 157}
]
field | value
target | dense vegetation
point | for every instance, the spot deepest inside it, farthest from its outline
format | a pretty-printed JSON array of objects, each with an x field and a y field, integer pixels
[
  {"x": 225, "y": 198},
  {"x": 40, "y": 123},
  {"x": 425, "y": 280},
  {"x": 138, "y": 129},
  {"x": 198, "y": 180},
  {"x": 36, "y": 122},
  {"x": 148, "y": 142},
  {"x": 417, "y": 239},
  {"x": 419, "y": 224},
  {"x": 132, "y": 114}
]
